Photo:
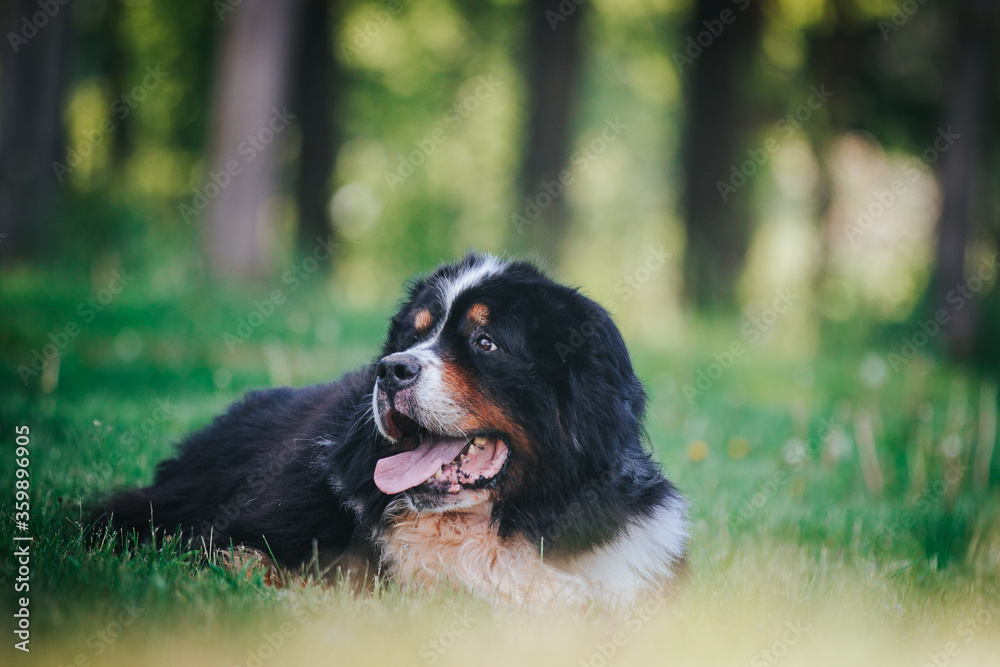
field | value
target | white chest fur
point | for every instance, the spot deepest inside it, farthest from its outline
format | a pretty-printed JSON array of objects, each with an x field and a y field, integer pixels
[{"x": 463, "y": 550}]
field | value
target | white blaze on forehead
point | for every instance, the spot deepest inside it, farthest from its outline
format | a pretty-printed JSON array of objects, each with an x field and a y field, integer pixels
[
  {"x": 469, "y": 277},
  {"x": 449, "y": 289}
]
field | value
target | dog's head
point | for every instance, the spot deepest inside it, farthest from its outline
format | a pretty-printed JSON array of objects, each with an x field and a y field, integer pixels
[{"x": 498, "y": 385}]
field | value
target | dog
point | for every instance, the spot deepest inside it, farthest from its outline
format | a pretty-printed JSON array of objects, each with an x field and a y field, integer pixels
[{"x": 496, "y": 446}]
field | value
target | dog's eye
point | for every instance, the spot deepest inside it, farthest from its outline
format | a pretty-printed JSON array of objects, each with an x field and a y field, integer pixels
[{"x": 486, "y": 344}]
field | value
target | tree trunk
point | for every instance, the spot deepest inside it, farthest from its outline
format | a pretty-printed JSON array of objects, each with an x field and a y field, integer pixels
[
  {"x": 965, "y": 115},
  {"x": 553, "y": 72},
  {"x": 718, "y": 230},
  {"x": 31, "y": 137},
  {"x": 251, "y": 118},
  {"x": 317, "y": 79},
  {"x": 838, "y": 57}
]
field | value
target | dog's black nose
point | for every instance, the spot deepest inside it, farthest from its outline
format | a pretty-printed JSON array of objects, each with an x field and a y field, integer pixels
[{"x": 396, "y": 371}]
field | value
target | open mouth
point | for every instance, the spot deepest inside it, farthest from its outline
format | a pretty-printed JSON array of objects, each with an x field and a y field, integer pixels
[{"x": 439, "y": 463}]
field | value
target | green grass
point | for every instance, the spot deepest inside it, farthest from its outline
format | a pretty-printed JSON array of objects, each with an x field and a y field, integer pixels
[{"x": 885, "y": 575}]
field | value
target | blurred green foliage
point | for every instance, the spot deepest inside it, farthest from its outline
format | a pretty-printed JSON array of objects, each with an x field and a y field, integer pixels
[{"x": 410, "y": 73}]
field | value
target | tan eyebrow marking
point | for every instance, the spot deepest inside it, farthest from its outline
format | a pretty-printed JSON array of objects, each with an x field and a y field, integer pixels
[
  {"x": 422, "y": 320},
  {"x": 479, "y": 313}
]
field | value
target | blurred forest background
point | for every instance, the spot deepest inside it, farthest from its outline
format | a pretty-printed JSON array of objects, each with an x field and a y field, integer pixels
[
  {"x": 792, "y": 208},
  {"x": 839, "y": 149}
]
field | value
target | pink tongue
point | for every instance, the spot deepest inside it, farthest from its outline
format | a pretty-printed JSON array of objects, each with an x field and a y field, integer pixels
[{"x": 404, "y": 471}]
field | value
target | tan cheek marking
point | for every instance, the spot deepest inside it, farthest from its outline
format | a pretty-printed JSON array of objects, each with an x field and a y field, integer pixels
[
  {"x": 422, "y": 320},
  {"x": 480, "y": 314},
  {"x": 482, "y": 413}
]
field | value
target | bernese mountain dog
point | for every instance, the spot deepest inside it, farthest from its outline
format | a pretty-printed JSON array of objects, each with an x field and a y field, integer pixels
[{"x": 497, "y": 446}]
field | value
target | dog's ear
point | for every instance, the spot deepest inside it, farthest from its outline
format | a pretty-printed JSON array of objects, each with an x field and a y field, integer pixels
[
  {"x": 605, "y": 404},
  {"x": 595, "y": 450}
]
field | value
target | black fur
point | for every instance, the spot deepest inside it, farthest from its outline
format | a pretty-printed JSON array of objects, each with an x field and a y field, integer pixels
[{"x": 285, "y": 468}]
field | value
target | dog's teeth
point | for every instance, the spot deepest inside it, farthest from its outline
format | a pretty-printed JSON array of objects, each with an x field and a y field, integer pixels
[{"x": 481, "y": 441}]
